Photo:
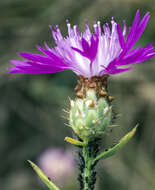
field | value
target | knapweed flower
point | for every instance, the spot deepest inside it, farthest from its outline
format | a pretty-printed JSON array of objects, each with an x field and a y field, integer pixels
[
  {"x": 89, "y": 54},
  {"x": 58, "y": 164}
]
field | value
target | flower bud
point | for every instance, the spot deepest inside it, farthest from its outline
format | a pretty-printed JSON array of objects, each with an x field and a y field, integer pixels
[{"x": 90, "y": 113}]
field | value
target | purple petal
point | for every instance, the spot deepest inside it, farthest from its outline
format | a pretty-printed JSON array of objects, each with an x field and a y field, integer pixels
[
  {"x": 132, "y": 30},
  {"x": 115, "y": 70},
  {"x": 33, "y": 68},
  {"x": 89, "y": 51},
  {"x": 53, "y": 60},
  {"x": 136, "y": 29},
  {"x": 94, "y": 47},
  {"x": 121, "y": 37}
]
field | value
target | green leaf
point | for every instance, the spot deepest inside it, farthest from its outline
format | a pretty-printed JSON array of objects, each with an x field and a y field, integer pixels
[
  {"x": 117, "y": 147},
  {"x": 43, "y": 177}
]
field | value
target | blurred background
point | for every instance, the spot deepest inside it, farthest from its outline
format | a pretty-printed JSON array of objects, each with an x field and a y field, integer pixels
[{"x": 31, "y": 116}]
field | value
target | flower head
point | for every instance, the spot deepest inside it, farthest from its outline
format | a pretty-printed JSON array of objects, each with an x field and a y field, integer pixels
[{"x": 89, "y": 54}]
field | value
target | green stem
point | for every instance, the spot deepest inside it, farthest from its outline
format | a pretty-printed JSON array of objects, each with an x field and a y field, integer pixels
[
  {"x": 87, "y": 165},
  {"x": 88, "y": 174}
]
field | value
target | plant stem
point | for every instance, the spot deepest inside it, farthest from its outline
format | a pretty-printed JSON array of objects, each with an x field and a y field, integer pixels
[{"x": 87, "y": 176}]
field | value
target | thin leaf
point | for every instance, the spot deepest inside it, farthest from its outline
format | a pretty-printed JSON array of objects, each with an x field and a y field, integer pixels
[
  {"x": 117, "y": 147},
  {"x": 43, "y": 177}
]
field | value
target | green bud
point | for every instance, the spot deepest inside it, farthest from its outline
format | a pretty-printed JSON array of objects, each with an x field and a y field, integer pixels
[{"x": 90, "y": 115}]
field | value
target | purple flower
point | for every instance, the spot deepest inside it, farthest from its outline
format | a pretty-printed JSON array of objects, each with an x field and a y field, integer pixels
[
  {"x": 89, "y": 54},
  {"x": 58, "y": 164}
]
